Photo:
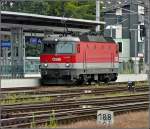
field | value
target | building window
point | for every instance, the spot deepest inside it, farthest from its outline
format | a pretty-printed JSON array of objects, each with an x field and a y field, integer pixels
[
  {"x": 119, "y": 11},
  {"x": 140, "y": 49},
  {"x": 119, "y": 18},
  {"x": 141, "y": 18},
  {"x": 120, "y": 46},
  {"x": 140, "y": 9}
]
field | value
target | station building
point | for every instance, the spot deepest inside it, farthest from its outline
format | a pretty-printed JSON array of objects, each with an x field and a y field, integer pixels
[{"x": 125, "y": 23}]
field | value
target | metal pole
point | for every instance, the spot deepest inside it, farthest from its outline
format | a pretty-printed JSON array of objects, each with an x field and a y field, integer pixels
[
  {"x": 111, "y": 31},
  {"x": 148, "y": 36},
  {"x": 24, "y": 56},
  {"x": 148, "y": 55},
  {"x": 147, "y": 25},
  {"x": 0, "y": 66},
  {"x": 136, "y": 67},
  {"x": 147, "y": 40},
  {"x": 149, "y": 48},
  {"x": 97, "y": 14}
]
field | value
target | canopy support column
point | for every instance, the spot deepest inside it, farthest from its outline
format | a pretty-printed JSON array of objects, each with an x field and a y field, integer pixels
[{"x": 17, "y": 52}]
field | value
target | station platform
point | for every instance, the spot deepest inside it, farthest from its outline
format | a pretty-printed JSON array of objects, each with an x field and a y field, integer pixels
[
  {"x": 24, "y": 82},
  {"x": 33, "y": 80},
  {"x": 132, "y": 77}
]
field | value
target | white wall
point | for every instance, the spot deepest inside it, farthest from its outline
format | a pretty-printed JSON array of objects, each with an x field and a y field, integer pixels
[
  {"x": 125, "y": 54},
  {"x": 10, "y": 83},
  {"x": 132, "y": 77}
]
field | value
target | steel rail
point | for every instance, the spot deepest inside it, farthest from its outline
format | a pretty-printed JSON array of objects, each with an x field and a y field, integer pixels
[
  {"x": 85, "y": 105},
  {"x": 72, "y": 90},
  {"x": 18, "y": 110},
  {"x": 50, "y": 88},
  {"x": 76, "y": 114},
  {"x": 76, "y": 94}
]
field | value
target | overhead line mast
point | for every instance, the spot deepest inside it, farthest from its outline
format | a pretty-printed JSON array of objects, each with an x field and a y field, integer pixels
[{"x": 97, "y": 14}]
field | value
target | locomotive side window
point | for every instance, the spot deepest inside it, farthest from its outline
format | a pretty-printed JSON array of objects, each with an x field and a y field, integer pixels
[{"x": 78, "y": 48}]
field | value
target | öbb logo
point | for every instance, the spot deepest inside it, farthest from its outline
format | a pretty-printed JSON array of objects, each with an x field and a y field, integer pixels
[{"x": 56, "y": 59}]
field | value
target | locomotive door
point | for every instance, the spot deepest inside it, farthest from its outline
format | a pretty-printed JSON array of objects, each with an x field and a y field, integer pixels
[
  {"x": 112, "y": 60},
  {"x": 84, "y": 61}
]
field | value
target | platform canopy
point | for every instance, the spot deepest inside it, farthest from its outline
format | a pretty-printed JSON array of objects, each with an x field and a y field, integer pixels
[
  {"x": 16, "y": 23},
  {"x": 37, "y": 22}
]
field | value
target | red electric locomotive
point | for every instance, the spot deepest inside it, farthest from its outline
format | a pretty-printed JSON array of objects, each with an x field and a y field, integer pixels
[{"x": 77, "y": 60}]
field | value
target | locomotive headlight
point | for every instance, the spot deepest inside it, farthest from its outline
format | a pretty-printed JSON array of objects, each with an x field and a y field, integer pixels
[
  {"x": 56, "y": 40},
  {"x": 67, "y": 65},
  {"x": 45, "y": 65}
]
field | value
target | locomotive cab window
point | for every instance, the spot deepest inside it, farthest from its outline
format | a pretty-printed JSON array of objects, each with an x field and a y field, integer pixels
[
  {"x": 61, "y": 47},
  {"x": 49, "y": 47},
  {"x": 65, "y": 47}
]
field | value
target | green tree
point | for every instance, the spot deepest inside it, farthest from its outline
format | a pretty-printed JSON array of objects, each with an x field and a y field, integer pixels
[
  {"x": 71, "y": 8},
  {"x": 37, "y": 7},
  {"x": 33, "y": 50}
]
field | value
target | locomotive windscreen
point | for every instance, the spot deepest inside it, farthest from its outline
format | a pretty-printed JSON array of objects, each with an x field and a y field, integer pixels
[
  {"x": 49, "y": 47},
  {"x": 95, "y": 38},
  {"x": 60, "y": 47}
]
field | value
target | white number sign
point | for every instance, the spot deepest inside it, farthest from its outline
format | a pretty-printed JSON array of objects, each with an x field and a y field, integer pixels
[{"x": 105, "y": 117}]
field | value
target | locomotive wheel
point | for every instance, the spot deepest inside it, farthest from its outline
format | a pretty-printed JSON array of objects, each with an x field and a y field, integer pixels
[
  {"x": 78, "y": 82},
  {"x": 106, "y": 80},
  {"x": 114, "y": 79},
  {"x": 89, "y": 82},
  {"x": 42, "y": 82}
]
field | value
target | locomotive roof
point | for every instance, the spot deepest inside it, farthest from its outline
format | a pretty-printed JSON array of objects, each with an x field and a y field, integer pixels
[
  {"x": 85, "y": 38},
  {"x": 61, "y": 38},
  {"x": 96, "y": 38}
]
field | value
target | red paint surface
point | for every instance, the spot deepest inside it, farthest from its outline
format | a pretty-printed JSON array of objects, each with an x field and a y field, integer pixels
[
  {"x": 97, "y": 52},
  {"x": 57, "y": 58},
  {"x": 89, "y": 52}
]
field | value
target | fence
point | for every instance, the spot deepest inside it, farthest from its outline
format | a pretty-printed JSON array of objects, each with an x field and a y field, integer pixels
[
  {"x": 7, "y": 70},
  {"x": 32, "y": 67},
  {"x": 132, "y": 67}
]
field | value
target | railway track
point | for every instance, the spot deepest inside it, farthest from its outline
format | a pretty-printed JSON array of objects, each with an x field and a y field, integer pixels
[
  {"x": 67, "y": 104},
  {"x": 68, "y": 94},
  {"x": 12, "y": 111},
  {"x": 67, "y": 116},
  {"x": 66, "y": 90},
  {"x": 71, "y": 103},
  {"x": 54, "y": 89}
]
